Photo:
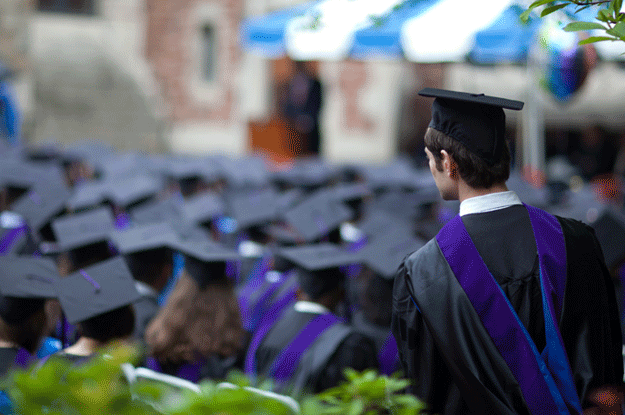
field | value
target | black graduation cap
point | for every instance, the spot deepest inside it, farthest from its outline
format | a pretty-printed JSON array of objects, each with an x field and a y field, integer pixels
[
  {"x": 83, "y": 229},
  {"x": 205, "y": 260},
  {"x": 317, "y": 216},
  {"x": 378, "y": 221},
  {"x": 245, "y": 172},
  {"x": 24, "y": 282},
  {"x": 134, "y": 189},
  {"x": 96, "y": 290},
  {"x": 88, "y": 194},
  {"x": 170, "y": 209},
  {"x": 318, "y": 266},
  {"x": 21, "y": 174},
  {"x": 475, "y": 120},
  {"x": 254, "y": 207},
  {"x": 384, "y": 253},
  {"x": 344, "y": 192},
  {"x": 203, "y": 207},
  {"x": 289, "y": 198},
  {"x": 119, "y": 165},
  {"x": 144, "y": 238},
  {"x": 308, "y": 172},
  {"x": 399, "y": 174},
  {"x": 41, "y": 204}
]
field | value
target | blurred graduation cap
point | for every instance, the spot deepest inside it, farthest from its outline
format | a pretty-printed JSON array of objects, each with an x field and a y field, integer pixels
[
  {"x": 288, "y": 199},
  {"x": 203, "y": 207},
  {"x": 170, "y": 209},
  {"x": 188, "y": 172},
  {"x": 475, "y": 120},
  {"x": 399, "y": 174},
  {"x": 88, "y": 195},
  {"x": 92, "y": 152},
  {"x": 116, "y": 166},
  {"x": 384, "y": 253},
  {"x": 308, "y": 173},
  {"x": 18, "y": 173},
  {"x": 205, "y": 261},
  {"x": 86, "y": 234},
  {"x": 317, "y": 216},
  {"x": 318, "y": 266},
  {"x": 405, "y": 204},
  {"x": 40, "y": 205},
  {"x": 134, "y": 190},
  {"x": 144, "y": 238},
  {"x": 253, "y": 207},
  {"x": 247, "y": 172},
  {"x": 96, "y": 290},
  {"x": 25, "y": 281},
  {"x": 144, "y": 246},
  {"x": 377, "y": 221}
]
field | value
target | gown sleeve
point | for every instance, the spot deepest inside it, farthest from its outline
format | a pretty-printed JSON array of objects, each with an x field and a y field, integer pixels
[
  {"x": 421, "y": 362},
  {"x": 590, "y": 325}
]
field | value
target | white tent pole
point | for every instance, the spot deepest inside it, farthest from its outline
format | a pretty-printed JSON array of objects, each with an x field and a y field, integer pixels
[{"x": 533, "y": 117}]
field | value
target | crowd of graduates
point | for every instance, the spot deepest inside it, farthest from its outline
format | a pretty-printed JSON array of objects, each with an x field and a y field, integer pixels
[{"x": 214, "y": 263}]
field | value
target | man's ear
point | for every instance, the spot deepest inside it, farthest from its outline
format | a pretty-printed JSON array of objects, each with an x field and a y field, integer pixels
[{"x": 449, "y": 165}]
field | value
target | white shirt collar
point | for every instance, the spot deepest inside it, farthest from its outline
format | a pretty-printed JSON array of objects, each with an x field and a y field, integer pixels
[
  {"x": 489, "y": 202},
  {"x": 309, "y": 307}
]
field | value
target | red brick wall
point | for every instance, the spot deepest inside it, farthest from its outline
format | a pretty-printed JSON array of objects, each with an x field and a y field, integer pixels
[{"x": 170, "y": 34}]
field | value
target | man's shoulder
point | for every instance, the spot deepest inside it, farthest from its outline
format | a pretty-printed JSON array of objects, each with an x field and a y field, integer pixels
[
  {"x": 422, "y": 256},
  {"x": 575, "y": 230},
  {"x": 424, "y": 267}
]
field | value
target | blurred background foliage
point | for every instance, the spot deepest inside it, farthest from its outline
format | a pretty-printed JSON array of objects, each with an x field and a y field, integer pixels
[{"x": 58, "y": 387}]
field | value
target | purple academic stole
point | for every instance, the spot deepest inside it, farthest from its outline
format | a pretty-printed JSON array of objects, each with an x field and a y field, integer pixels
[
  {"x": 267, "y": 322},
  {"x": 546, "y": 379},
  {"x": 388, "y": 355},
  {"x": 7, "y": 241},
  {"x": 284, "y": 366},
  {"x": 23, "y": 359},
  {"x": 187, "y": 371}
]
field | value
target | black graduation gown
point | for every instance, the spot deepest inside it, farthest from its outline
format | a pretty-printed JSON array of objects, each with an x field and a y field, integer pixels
[
  {"x": 316, "y": 374},
  {"x": 444, "y": 347}
]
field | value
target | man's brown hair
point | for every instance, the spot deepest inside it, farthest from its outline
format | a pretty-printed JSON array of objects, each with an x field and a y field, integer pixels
[{"x": 472, "y": 169}]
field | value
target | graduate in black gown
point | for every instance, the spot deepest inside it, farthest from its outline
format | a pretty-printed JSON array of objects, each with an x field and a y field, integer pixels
[
  {"x": 508, "y": 310},
  {"x": 308, "y": 348},
  {"x": 25, "y": 284},
  {"x": 148, "y": 251},
  {"x": 381, "y": 257},
  {"x": 198, "y": 333},
  {"x": 98, "y": 301}
]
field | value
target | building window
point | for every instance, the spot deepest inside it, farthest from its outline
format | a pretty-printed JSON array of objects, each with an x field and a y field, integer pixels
[
  {"x": 84, "y": 7},
  {"x": 209, "y": 56}
]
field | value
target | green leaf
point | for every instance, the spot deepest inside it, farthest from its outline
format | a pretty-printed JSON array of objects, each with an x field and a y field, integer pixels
[
  {"x": 604, "y": 15},
  {"x": 539, "y": 3},
  {"x": 594, "y": 39},
  {"x": 525, "y": 16},
  {"x": 618, "y": 30},
  {"x": 548, "y": 10},
  {"x": 575, "y": 26}
]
